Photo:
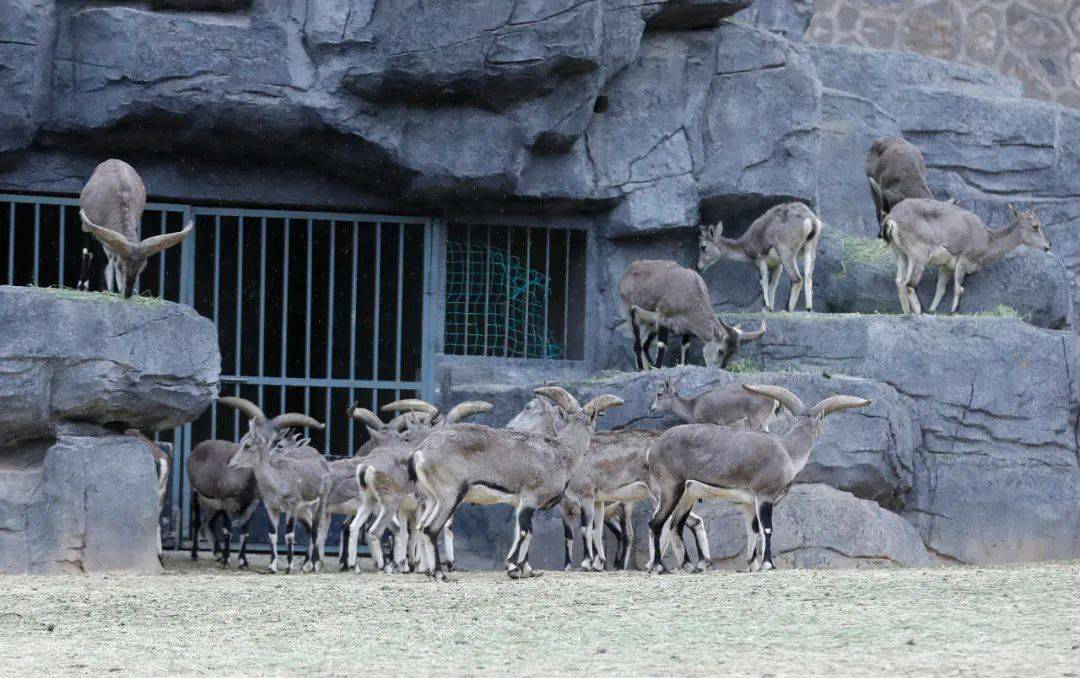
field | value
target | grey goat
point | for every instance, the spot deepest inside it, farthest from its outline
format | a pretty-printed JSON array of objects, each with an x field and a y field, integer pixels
[
  {"x": 726, "y": 405},
  {"x": 896, "y": 171}
]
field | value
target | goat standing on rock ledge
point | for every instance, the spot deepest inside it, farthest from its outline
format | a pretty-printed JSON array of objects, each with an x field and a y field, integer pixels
[{"x": 111, "y": 206}]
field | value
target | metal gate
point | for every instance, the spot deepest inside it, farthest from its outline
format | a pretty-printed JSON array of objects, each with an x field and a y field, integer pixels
[{"x": 315, "y": 310}]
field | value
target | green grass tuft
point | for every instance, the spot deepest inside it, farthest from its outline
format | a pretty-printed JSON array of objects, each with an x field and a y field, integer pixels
[
  {"x": 70, "y": 294},
  {"x": 864, "y": 250},
  {"x": 1002, "y": 311},
  {"x": 743, "y": 366}
]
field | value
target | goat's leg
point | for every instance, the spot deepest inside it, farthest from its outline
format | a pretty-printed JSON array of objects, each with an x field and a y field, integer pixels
[
  {"x": 774, "y": 283},
  {"x": 763, "y": 274},
  {"x": 901, "y": 282},
  {"x": 596, "y": 529},
  {"x": 245, "y": 527},
  {"x": 444, "y": 508},
  {"x": 87, "y": 258},
  {"x": 613, "y": 522},
  {"x": 344, "y": 544},
  {"x": 566, "y": 509},
  {"x": 637, "y": 340},
  {"x": 958, "y": 286},
  {"x": 809, "y": 259},
  {"x": 628, "y": 535},
  {"x": 915, "y": 275},
  {"x": 668, "y": 500},
  {"x": 587, "y": 543},
  {"x": 196, "y": 525},
  {"x": 701, "y": 541},
  {"x": 226, "y": 539},
  {"x": 751, "y": 523},
  {"x": 448, "y": 543},
  {"x": 414, "y": 541},
  {"x": 520, "y": 567},
  {"x": 374, "y": 537},
  {"x": 765, "y": 513},
  {"x": 111, "y": 272},
  {"x": 290, "y": 540},
  {"x": 943, "y": 276},
  {"x": 791, "y": 265},
  {"x": 678, "y": 524},
  {"x": 367, "y": 505},
  {"x": 645, "y": 349},
  {"x": 684, "y": 345},
  {"x": 661, "y": 343},
  {"x": 400, "y": 526},
  {"x": 273, "y": 515}
]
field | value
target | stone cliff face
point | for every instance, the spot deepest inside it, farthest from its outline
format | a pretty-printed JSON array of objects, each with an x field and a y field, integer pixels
[{"x": 643, "y": 120}]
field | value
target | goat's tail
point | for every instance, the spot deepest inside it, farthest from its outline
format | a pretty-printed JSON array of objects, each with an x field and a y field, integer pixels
[
  {"x": 888, "y": 228},
  {"x": 361, "y": 476}
]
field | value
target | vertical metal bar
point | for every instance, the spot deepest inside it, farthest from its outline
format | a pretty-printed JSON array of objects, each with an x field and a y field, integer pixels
[
  {"x": 217, "y": 287},
  {"x": 37, "y": 240},
  {"x": 566, "y": 298},
  {"x": 307, "y": 325},
  {"x": 547, "y": 285},
  {"x": 378, "y": 301},
  {"x": 468, "y": 288},
  {"x": 352, "y": 333},
  {"x": 528, "y": 277},
  {"x": 161, "y": 260},
  {"x": 11, "y": 244},
  {"x": 434, "y": 270},
  {"x": 262, "y": 305},
  {"x": 487, "y": 287},
  {"x": 330, "y": 333},
  {"x": 63, "y": 241},
  {"x": 284, "y": 312},
  {"x": 239, "y": 311},
  {"x": 506, "y": 314},
  {"x": 400, "y": 294}
]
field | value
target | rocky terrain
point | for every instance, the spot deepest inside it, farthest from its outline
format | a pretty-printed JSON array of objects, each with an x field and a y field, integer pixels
[{"x": 76, "y": 370}]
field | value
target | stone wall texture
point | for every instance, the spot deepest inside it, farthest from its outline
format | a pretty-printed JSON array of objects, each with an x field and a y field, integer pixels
[{"x": 1035, "y": 41}]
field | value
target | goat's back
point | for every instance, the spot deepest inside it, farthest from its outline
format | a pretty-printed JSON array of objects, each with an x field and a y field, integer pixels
[
  {"x": 114, "y": 197},
  {"x": 898, "y": 168},
  {"x": 665, "y": 286},
  {"x": 729, "y": 403},
  {"x": 210, "y": 475},
  {"x": 937, "y": 223},
  {"x": 788, "y": 224},
  {"x": 737, "y": 458}
]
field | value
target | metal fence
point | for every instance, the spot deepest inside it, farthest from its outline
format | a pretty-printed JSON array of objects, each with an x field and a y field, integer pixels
[{"x": 315, "y": 310}]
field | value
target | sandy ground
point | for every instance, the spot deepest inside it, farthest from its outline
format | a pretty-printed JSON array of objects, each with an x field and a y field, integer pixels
[{"x": 198, "y": 620}]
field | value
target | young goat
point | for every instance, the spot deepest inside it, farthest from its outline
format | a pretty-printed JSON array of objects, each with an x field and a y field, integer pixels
[
  {"x": 753, "y": 468},
  {"x": 219, "y": 491},
  {"x": 478, "y": 464},
  {"x": 931, "y": 233},
  {"x": 111, "y": 205},
  {"x": 773, "y": 242},
  {"x": 669, "y": 297},
  {"x": 896, "y": 171},
  {"x": 292, "y": 478},
  {"x": 724, "y": 405}
]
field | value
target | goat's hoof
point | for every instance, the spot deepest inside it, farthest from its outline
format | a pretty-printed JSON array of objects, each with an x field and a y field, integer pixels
[
  {"x": 598, "y": 566},
  {"x": 194, "y": 557},
  {"x": 568, "y": 568},
  {"x": 702, "y": 566},
  {"x": 344, "y": 567},
  {"x": 450, "y": 566},
  {"x": 243, "y": 565},
  {"x": 224, "y": 564},
  {"x": 270, "y": 571},
  {"x": 767, "y": 565},
  {"x": 658, "y": 569}
]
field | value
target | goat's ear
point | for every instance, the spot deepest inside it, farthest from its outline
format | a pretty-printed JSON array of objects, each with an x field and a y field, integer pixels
[{"x": 1014, "y": 212}]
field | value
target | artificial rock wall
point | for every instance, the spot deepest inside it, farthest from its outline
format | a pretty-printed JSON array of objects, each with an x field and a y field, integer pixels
[{"x": 75, "y": 368}]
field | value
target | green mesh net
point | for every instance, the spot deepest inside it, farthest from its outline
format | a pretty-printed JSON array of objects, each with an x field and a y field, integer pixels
[{"x": 495, "y": 305}]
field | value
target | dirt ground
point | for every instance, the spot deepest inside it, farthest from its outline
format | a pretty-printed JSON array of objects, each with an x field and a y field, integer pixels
[{"x": 199, "y": 620}]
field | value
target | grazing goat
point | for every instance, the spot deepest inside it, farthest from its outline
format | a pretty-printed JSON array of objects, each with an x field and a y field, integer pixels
[
  {"x": 896, "y": 171},
  {"x": 111, "y": 205},
  {"x": 670, "y": 297},
  {"x": 753, "y": 468},
  {"x": 479, "y": 464},
  {"x": 773, "y": 242},
  {"x": 218, "y": 490},
  {"x": 295, "y": 481},
  {"x": 931, "y": 233},
  {"x": 162, "y": 466},
  {"x": 725, "y": 405}
]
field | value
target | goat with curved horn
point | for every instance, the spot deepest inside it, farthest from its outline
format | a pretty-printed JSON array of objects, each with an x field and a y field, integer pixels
[
  {"x": 110, "y": 207},
  {"x": 466, "y": 409},
  {"x": 752, "y": 468}
]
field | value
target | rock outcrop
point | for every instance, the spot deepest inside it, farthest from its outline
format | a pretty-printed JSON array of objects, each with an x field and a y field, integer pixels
[{"x": 75, "y": 367}]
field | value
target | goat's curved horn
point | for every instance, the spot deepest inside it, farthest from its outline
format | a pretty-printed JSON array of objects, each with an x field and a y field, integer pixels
[
  {"x": 728, "y": 329},
  {"x": 838, "y": 403},
  {"x": 250, "y": 409},
  {"x": 111, "y": 239},
  {"x": 155, "y": 244},
  {"x": 779, "y": 394},
  {"x": 745, "y": 336},
  {"x": 410, "y": 405},
  {"x": 601, "y": 403},
  {"x": 561, "y": 397},
  {"x": 365, "y": 416},
  {"x": 467, "y": 409},
  {"x": 293, "y": 419}
]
